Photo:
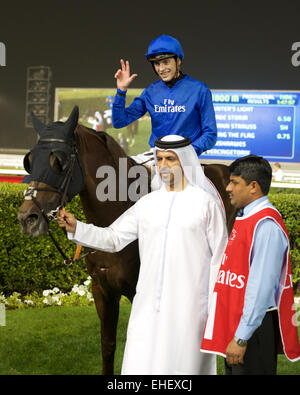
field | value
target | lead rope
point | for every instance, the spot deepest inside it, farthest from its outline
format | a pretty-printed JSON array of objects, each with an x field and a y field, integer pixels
[
  {"x": 77, "y": 257},
  {"x": 67, "y": 261}
]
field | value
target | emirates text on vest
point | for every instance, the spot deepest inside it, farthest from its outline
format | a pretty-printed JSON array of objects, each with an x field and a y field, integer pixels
[
  {"x": 2, "y": 54},
  {"x": 231, "y": 279},
  {"x": 227, "y": 277}
]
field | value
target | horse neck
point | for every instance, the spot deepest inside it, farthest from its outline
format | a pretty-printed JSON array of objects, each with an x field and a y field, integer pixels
[{"x": 94, "y": 154}]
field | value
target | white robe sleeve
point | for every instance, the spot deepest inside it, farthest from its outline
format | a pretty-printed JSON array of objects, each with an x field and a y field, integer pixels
[
  {"x": 217, "y": 238},
  {"x": 111, "y": 239}
]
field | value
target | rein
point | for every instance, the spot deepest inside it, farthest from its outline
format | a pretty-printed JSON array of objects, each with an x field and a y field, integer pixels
[{"x": 31, "y": 192}]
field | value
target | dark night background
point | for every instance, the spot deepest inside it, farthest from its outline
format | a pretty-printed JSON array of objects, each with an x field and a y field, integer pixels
[{"x": 227, "y": 44}]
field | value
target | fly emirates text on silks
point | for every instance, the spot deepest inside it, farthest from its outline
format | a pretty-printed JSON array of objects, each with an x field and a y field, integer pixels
[{"x": 169, "y": 106}]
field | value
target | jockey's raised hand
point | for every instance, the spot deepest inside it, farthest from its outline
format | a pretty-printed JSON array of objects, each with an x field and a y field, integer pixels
[{"x": 123, "y": 76}]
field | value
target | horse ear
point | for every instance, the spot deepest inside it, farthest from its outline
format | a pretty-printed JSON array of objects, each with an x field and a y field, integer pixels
[
  {"x": 37, "y": 124},
  {"x": 72, "y": 121}
]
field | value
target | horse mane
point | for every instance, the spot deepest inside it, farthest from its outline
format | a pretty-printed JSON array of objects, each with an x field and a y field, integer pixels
[
  {"x": 101, "y": 148},
  {"x": 115, "y": 150}
]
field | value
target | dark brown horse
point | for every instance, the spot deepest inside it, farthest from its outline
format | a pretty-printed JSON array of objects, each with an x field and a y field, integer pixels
[{"x": 112, "y": 275}]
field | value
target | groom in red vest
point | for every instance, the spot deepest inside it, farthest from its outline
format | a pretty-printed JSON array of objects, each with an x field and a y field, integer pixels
[{"x": 252, "y": 308}]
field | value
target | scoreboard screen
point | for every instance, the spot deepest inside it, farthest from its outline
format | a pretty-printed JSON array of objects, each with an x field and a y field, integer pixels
[{"x": 264, "y": 123}]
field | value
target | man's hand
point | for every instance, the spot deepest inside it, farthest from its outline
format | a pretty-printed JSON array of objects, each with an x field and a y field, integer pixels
[
  {"x": 235, "y": 353},
  {"x": 67, "y": 220},
  {"x": 123, "y": 76}
]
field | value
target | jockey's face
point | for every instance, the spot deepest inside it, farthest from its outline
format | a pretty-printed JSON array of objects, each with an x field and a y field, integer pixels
[
  {"x": 170, "y": 170},
  {"x": 167, "y": 69}
]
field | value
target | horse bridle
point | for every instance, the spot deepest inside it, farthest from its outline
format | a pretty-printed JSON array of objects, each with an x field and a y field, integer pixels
[{"x": 31, "y": 192}]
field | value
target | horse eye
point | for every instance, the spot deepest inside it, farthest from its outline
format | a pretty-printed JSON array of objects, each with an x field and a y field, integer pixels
[
  {"x": 58, "y": 161},
  {"x": 27, "y": 162}
]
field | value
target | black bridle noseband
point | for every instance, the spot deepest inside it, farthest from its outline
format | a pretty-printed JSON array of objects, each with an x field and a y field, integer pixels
[{"x": 31, "y": 192}]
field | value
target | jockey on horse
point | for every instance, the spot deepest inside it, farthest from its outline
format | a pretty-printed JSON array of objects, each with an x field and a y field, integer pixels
[{"x": 177, "y": 103}]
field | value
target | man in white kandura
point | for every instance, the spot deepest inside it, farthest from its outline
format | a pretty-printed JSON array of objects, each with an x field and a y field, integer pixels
[{"x": 182, "y": 237}]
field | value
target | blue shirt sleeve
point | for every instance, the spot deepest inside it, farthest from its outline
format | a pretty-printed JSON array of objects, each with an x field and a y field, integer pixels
[
  {"x": 122, "y": 116},
  {"x": 209, "y": 132},
  {"x": 268, "y": 255}
]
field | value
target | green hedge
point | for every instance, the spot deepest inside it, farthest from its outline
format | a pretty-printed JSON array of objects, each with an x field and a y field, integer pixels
[
  {"x": 33, "y": 264},
  {"x": 289, "y": 207},
  {"x": 28, "y": 264}
]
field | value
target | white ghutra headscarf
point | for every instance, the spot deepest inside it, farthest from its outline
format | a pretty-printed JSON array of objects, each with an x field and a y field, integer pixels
[{"x": 189, "y": 161}]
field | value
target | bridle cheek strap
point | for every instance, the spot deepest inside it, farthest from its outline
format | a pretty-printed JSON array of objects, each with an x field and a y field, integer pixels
[{"x": 31, "y": 194}]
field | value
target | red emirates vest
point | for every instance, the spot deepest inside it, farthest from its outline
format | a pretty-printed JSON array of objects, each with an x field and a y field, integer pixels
[{"x": 227, "y": 303}]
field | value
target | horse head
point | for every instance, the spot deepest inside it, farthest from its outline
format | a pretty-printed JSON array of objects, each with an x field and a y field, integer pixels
[{"x": 56, "y": 174}]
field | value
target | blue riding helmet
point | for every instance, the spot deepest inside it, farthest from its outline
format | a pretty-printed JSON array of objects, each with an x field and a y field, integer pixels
[{"x": 163, "y": 47}]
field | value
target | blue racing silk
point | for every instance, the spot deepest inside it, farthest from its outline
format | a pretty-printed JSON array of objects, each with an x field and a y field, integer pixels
[{"x": 186, "y": 109}]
